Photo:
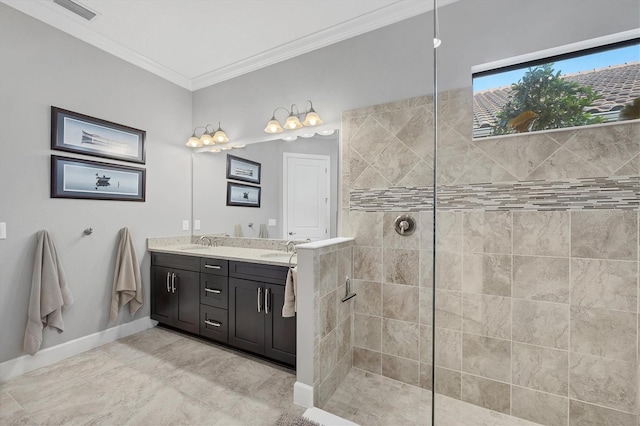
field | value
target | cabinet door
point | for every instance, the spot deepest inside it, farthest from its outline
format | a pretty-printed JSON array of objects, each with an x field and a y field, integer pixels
[
  {"x": 161, "y": 296},
  {"x": 280, "y": 333},
  {"x": 246, "y": 324},
  {"x": 187, "y": 300}
]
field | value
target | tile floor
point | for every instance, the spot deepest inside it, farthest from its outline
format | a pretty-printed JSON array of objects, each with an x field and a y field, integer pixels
[
  {"x": 372, "y": 400},
  {"x": 157, "y": 377},
  {"x": 160, "y": 377}
]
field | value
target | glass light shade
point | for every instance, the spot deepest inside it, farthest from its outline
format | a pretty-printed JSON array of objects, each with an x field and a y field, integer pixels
[
  {"x": 312, "y": 119},
  {"x": 194, "y": 142},
  {"x": 214, "y": 150},
  {"x": 239, "y": 146},
  {"x": 273, "y": 126},
  {"x": 226, "y": 148},
  {"x": 220, "y": 136},
  {"x": 206, "y": 139},
  {"x": 292, "y": 123}
]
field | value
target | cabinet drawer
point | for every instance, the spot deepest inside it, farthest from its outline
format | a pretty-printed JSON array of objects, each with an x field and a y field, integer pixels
[
  {"x": 257, "y": 272},
  {"x": 214, "y": 290},
  {"x": 214, "y": 323},
  {"x": 214, "y": 266},
  {"x": 176, "y": 261}
]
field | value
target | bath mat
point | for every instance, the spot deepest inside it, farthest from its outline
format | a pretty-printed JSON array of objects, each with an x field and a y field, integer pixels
[{"x": 290, "y": 419}]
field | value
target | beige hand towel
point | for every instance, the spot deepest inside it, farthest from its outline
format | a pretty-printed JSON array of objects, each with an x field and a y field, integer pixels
[
  {"x": 127, "y": 285},
  {"x": 49, "y": 294},
  {"x": 238, "y": 230},
  {"x": 289, "y": 308},
  {"x": 263, "y": 231}
]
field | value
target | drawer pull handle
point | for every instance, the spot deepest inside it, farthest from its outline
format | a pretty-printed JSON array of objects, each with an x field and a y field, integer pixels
[
  {"x": 168, "y": 282},
  {"x": 212, "y": 266},
  {"x": 212, "y": 290},
  {"x": 213, "y": 323}
]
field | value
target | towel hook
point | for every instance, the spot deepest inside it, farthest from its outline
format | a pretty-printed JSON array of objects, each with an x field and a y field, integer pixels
[{"x": 88, "y": 231}]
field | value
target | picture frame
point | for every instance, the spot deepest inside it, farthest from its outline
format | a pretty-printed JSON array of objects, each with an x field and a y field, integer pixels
[
  {"x": 82, "y": 134},
  {"x": 243, "y": 195},
  {"x": 93, "y": 180},
  {"x": 243, "y": 170}
]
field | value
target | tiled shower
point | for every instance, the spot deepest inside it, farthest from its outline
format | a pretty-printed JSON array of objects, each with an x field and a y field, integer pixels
[{"x": 536, "y": 260}]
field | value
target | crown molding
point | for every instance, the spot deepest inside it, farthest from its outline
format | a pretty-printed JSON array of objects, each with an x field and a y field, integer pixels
[
  {"x": 47, "y": 12},
  {"x": 379, "y": 18},
  {"x": 43, "y": 10}
]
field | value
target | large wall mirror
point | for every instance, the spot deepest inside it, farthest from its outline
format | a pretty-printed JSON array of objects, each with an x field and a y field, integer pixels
[{"x": 298, "y": 200}]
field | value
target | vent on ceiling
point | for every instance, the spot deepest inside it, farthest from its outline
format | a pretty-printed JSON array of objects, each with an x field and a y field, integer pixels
[{"x": 76, "y": 8}]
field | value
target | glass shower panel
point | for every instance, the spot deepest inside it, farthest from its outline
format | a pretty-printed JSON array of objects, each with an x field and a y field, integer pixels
[{"x": 536, "y": 244}]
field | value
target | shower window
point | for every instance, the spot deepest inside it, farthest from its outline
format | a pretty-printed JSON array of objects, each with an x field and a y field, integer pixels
[{"x": 590, "y": 86}]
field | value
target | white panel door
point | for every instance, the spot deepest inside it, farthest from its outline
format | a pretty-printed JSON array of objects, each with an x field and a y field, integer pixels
[{"x": 306, "y": 213}]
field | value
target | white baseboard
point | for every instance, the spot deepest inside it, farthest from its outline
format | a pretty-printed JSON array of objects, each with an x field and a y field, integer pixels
[
  {"x": 17, "y": 366},
  {"x": 303, "y": 394}
]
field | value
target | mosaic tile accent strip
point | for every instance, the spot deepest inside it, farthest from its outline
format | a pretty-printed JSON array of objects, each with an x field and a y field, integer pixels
[{"x": 570, "y": 194}]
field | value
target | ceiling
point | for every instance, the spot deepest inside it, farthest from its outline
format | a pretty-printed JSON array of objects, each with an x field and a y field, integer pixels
[{"x": 197, "y": 43}]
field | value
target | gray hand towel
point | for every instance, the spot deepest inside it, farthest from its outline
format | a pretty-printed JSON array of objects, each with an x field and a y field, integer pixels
[
  {"x": 127, "y": 284},
  {"x": 263, "y": 231},
  {"x": 49, "y": 294}
]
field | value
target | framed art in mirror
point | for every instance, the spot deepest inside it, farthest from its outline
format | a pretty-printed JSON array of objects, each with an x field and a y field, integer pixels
[
  {"x": 93, "y": 180},
  {"x": 243, "y": 195},
  {"x": 75, "y": 132},
  {"x": 243, "y": 170}
]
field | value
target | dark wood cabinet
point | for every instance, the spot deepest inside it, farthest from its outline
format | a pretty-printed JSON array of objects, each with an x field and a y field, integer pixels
[
  {"x": 246, "y": 316},
  {"x": 175, "y": 297},
  {"x": 255, "y": 312},
  {"x": 231, "y": 302}
]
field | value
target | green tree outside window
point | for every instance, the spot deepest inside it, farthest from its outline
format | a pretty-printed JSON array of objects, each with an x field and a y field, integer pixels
[{"x": 543, "y": 100}]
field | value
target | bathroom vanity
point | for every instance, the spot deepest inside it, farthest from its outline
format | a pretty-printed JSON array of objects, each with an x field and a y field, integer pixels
[{"x": 229, "y": 295}]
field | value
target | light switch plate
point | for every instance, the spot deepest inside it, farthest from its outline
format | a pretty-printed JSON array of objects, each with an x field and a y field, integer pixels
[
  {"x": 196, "y": 225},
  {"x": 3, "y": 230},
  {"x": 272, "y": 222},
  {"x": 185, "y": 225}
]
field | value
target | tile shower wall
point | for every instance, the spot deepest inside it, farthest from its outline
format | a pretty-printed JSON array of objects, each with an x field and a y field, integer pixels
[
  {"x": 537, "y": 304},
  {"x": 333, "y": 320}
]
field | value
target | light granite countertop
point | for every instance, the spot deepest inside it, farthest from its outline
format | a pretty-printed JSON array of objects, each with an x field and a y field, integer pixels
[{"x": 243, "y": 254}]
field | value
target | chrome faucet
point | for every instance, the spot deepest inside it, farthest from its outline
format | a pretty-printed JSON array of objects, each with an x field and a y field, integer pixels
[
  {"x": 203, "y": 238},
  {"x": 215, "y": 241},
  {"x": 289, "y": 243}
]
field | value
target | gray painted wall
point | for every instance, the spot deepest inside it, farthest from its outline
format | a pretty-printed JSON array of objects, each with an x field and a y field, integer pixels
[
  {"x": 209, "y": 200},
  {"x": 40, "y": 67}
]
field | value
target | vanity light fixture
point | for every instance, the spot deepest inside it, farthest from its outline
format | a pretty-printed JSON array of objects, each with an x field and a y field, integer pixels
[
  {"x": 311, "y": 118},
  {"x": 208, "y": 137}
]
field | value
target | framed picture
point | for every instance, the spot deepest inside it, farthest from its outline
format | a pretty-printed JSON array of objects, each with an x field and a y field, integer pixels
[
  {"x": 243, "y": 195},
  {"x": 74, "y": 132},
  {"x": 241, "y": 169},
  {"x": 76, "y": 178}
]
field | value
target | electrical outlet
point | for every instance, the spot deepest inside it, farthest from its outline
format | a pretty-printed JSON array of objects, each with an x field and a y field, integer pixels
[
  {"x": 3, "y": 230},
  {"x": 196, "y": 225},
  {"x": 272, "y": 222},
  {"x": 185, "y": 225}
]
